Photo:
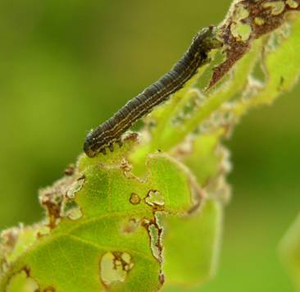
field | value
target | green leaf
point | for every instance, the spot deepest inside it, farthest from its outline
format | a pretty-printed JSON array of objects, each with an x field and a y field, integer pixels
[
  {"x": 290, "y": 251},
  {"x": 205, "y": 160},
  {"x": 112, "y": 243},
  {"x": 129, "y": 220},
  {"x": 192, "y": 245},
  {"x": 282, "y": 73}
]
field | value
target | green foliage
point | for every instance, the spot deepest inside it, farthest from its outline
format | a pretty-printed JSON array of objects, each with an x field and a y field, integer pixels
[
  {"x": 290, "y": 251},
  {"x": 115, "y": 239},
  {"x": 281, "y": 73},
  {"x": 183, "y": 266},
  {"x": 150, "y": 213}
]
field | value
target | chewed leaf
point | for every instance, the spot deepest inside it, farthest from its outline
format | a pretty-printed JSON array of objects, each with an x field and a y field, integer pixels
[
  {"x": 113, "y": 243},
  {"x": 282, "y": 74},
  {"x": 150, "y": 211},
  {"x": 21, "y": 282},
  {"x": 245, "y": 22}
]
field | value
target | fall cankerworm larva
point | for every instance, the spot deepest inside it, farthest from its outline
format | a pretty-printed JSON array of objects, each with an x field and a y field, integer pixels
[{"x": 110, "y": 132}]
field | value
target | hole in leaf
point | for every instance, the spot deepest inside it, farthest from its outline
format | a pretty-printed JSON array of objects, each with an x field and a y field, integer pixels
[
  {"x": 114, "y": 267},
  {"x": 134, "y": 199},
  {"x": 22, "y": 282},
  {"x": 292, "y": 3},
  {"x": 155, "y": 198},
  {"x": 75, "y": 188},
  {"x": 155, "y": 241},
  {"x": 277, "y": 7}
]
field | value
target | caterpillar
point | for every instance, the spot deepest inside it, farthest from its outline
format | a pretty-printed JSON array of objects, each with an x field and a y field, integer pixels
[{"x": 110, "y": 132}]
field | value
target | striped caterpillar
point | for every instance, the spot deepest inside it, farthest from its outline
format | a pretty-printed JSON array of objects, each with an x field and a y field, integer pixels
[{"x": 110, "y": 132}]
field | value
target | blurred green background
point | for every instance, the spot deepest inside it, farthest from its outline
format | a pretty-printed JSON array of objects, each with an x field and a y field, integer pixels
[{"x": 66, "y": 66}]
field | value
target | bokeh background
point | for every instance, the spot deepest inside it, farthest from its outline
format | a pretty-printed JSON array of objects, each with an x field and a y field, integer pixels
[{"x": 66, "y": 66}]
